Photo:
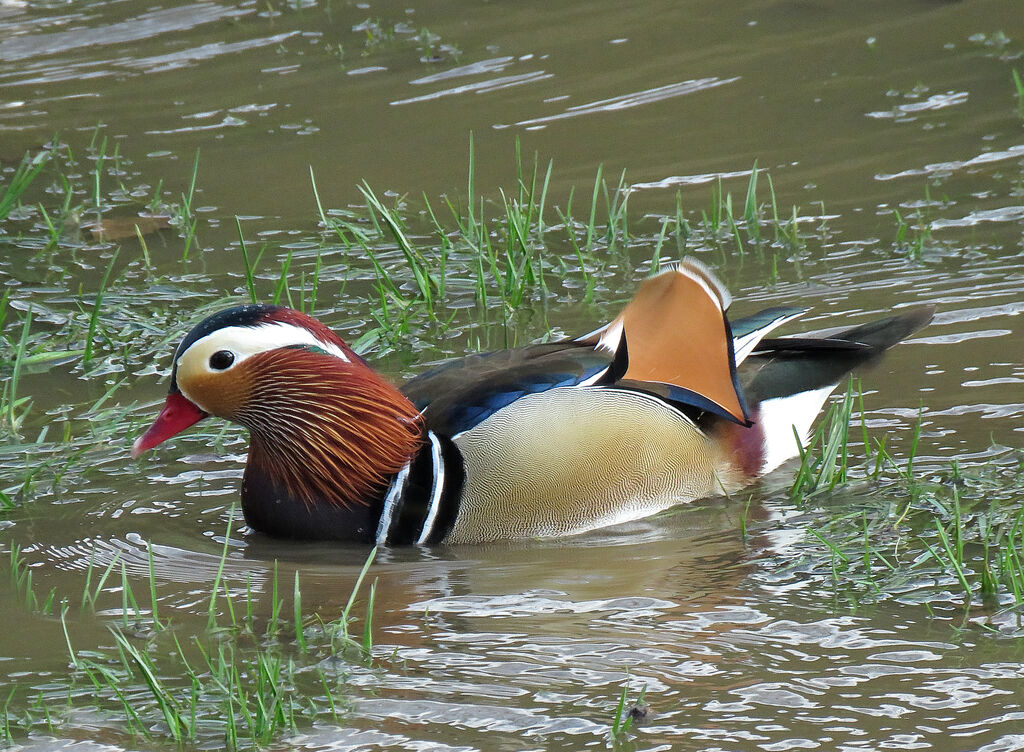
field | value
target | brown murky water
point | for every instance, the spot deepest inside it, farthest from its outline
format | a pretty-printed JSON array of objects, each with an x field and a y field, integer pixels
[{"x": 743, "y": 643}]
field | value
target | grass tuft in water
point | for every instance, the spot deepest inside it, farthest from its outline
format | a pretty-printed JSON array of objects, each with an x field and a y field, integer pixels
[
  {"x": 231, "y": 686},
  {"x": 914, "y": 235},
  {"x": 94, "y": 317},
  {"x": 14, "y": 409},
  {"x": 228, "y": 685},
  {"x": 26, "y": 171},
  {"x": 626, "y": 714},
  {"x": 823, "y": 463},
  {"x": 21, "y": 580},
  {"x": 878, "y": 524}
]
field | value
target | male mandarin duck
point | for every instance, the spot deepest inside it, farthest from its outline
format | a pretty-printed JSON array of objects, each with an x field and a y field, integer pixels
[{"x": 668, "y": 403}]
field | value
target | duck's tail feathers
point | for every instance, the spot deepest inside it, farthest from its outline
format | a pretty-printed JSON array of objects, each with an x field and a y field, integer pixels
[
  {"x": 789, "y": 379},
  {"x": 884, "y": 333},
  {"x": 792, "y": 365}
]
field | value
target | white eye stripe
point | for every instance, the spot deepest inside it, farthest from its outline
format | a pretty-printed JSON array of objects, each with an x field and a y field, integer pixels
[{"x": 246, "y": 341}]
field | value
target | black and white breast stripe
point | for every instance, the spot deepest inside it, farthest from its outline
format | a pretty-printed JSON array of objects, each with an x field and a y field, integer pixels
[{"x": 423, "y": 500}]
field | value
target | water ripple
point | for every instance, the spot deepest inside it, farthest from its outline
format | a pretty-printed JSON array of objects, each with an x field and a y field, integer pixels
[
  {"x": 1002, "y": 214},
  {"x": 934, "y": 102},
  {"x": 38, "y": 72},
  {"x": 988, "y": 157},
  {"x": 633, "y": 99},
  {"x": 493, "y": 65},
  {"x": 533, "y": 603},
  {"x": 488, "y": 717},
  {"x": 674, "y": 181},
  {"x": 144, "y": 26},
  {"x": 480, "y": 87}
]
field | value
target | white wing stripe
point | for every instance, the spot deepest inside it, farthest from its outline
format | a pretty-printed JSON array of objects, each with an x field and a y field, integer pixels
[
  {"x": 435, "y": 491},
  {"x": 390, "y": 502}
]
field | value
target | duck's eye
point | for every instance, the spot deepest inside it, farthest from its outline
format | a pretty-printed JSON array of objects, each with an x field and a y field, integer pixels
[{"x": 221, "y": 360}]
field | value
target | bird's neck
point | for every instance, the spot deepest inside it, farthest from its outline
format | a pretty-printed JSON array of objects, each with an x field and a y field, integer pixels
[{"x": 325, "y": 435}]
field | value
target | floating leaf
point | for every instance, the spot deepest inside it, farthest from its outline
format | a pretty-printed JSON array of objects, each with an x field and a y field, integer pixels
[{"x": 119, "y": 228}]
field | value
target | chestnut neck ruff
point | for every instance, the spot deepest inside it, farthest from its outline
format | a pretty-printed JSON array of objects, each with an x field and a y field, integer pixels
[{"x": 327, "y": 431}]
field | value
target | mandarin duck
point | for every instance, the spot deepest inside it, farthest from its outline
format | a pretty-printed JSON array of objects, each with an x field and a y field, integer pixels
[{"x": 668, "y": 403}]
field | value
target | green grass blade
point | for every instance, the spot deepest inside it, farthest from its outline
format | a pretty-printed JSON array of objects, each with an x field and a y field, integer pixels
[
  {"x": 95, "y": 316},
  {"x": 23, "y": 176},
  {"x": 250, "y": 283},
  {"x": 212, "y": 611}
]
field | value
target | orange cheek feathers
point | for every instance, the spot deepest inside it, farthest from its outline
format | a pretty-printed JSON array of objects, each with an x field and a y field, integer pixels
[{"x": 220, "y": 394}]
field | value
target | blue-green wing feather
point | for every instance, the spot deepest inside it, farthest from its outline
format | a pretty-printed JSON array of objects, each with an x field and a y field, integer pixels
[{"x": 459, "y": 394}]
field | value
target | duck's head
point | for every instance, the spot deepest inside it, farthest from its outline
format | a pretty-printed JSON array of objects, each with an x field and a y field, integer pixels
[{"x": 320, "y": 419}]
